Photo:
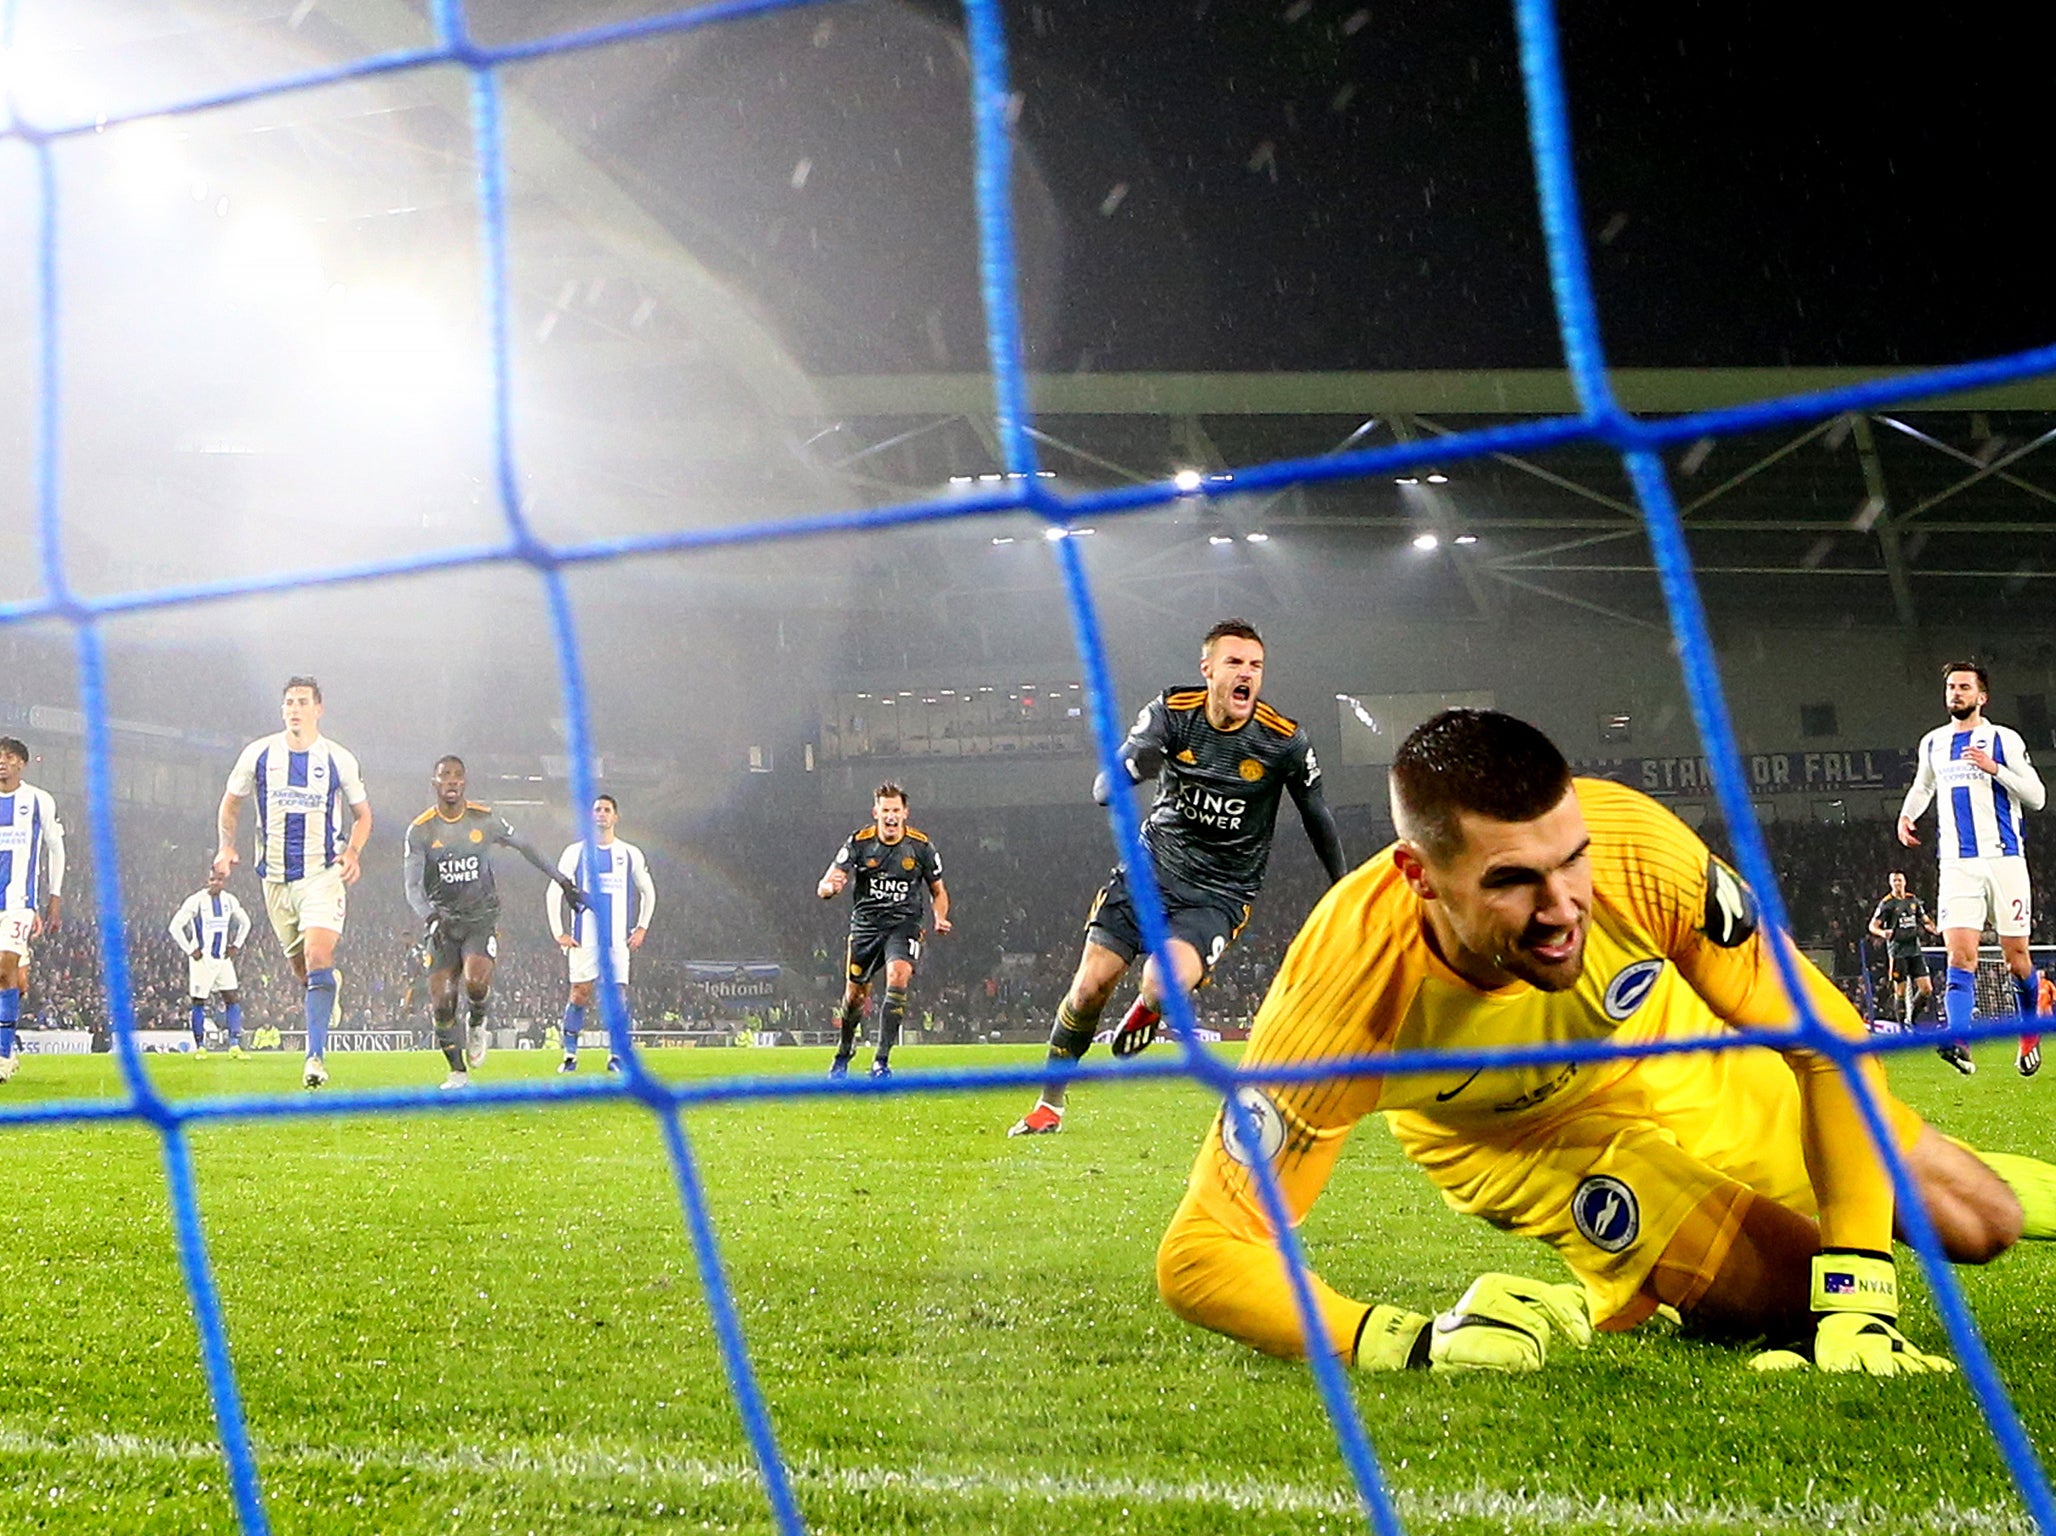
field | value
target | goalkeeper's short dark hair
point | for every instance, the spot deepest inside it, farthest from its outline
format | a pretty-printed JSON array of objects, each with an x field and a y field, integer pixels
[
  {"x": 301, "y": 680},
  {"x": 14, "y": 746},
  {"x": 1475, "y": 760}
]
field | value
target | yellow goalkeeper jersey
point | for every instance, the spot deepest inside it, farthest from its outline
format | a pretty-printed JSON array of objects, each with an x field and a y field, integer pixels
[{"x": 1674, "y": 949}]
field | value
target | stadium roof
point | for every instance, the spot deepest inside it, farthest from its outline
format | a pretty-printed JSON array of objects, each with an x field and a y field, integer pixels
[{"x": 1896, "y": 516}]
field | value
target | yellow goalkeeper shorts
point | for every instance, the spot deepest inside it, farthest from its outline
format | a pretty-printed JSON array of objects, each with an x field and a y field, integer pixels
[{"x": 1658, "y": 1160}]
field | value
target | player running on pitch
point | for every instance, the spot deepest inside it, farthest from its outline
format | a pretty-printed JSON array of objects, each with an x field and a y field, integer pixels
[
  {"x": 301, "y": 782},
  {"x": 450, "y": 886},
  {"x": 1222, "y": 760},
  {"x": 1521, "y": 907},
  {"x": 612, "y": 868},
  {"x": 212, "y": 927},
  {"x": 1980, "y": 779},
  {"x": 893, "y": 864},
  {"x": 1899, "y": 922},
  {"x": 31, "y": 855}
]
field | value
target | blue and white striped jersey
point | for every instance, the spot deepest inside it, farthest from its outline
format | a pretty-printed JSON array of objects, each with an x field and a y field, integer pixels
[
  {"x": 608, "y": 917},
  {"x": 31, "y": 847},
  {"x": 302, "y": 827},
  {"x": 1979, "y": 815},
  {"x": 212, "y": 924}
]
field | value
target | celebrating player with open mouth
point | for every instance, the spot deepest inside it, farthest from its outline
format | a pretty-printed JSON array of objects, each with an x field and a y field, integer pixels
[
  {"x": 1223, "y": 760},
  {"x": 898, "y": 874}
]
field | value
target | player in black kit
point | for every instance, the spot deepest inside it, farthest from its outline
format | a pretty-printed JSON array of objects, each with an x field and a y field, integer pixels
[
  {"x": 1899, "y": 921},
  {"x": 449, "y": 870},
  {"x": 1222, "y": 761},
  {"x": 893, "y": 864}
]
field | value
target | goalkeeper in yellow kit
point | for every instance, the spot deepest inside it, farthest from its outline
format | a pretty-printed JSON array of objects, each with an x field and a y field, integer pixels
[{"x": 1739, "y": 1187}]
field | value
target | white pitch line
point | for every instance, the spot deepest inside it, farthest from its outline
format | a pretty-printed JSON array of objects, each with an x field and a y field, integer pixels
[{"x": 1542, "y": 1511}]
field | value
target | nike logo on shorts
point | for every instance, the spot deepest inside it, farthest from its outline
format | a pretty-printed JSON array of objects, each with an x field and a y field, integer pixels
[{"x": 1444, "y": 1098}]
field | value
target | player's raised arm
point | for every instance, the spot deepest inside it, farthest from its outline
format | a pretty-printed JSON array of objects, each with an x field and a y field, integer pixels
[
  {"x": 838, "y": 875},
  {"x": 1142, "y": 754},
  {"x": 1303, "y": 781}
]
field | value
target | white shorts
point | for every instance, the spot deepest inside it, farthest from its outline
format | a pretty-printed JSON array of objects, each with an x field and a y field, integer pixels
[
  {"x": 204, "y": 977},
  {"x": 17, "y": 926},
  {"x": 294, "y": 906},
  {"x": 1974, "y": 891},
  {"x": 584, "y": 963}
]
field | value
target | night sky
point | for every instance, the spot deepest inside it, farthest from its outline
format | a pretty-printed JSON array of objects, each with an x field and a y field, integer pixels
[
  {"x": 1763, "y": 183},
  {"x": 1328, "y": 184}
]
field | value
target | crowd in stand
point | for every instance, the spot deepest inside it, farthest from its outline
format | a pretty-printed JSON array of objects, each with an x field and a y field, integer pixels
[{"x": 1021, "y": 881}]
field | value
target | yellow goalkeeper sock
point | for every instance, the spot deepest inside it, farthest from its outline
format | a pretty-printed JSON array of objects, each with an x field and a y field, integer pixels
[{"x": 2033, "y": 1183}]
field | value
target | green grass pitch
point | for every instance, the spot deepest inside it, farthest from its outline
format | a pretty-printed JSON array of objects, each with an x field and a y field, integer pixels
[{"x": 491, "y": 1322}]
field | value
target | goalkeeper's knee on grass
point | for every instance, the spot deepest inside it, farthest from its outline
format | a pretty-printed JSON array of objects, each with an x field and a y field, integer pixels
[{"x": 1502, "y": 1323}]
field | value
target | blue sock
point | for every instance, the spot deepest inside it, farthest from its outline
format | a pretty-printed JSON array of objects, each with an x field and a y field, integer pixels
[
  {"x": 199, "y": 1023},
  {"x": 10, "y": 1015},
  {"x": 1959, "y": 994},
  {"x": 2028, "y": 989},
  {"x": 232, "y": 1016},
  {"x": 321, "y": 1006},
  {"x": 574, "y": 1021}
]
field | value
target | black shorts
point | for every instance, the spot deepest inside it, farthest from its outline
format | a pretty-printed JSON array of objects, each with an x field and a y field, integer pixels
[
  {"x": 1206, "y": 920},
  {"x": 869, "y": 951},
  {"x": 457, "y": 939},
  {"x": 1909, "y": 964}
]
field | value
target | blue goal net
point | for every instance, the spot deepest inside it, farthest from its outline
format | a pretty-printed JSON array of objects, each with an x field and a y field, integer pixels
[{"x": 86, "y": 611}]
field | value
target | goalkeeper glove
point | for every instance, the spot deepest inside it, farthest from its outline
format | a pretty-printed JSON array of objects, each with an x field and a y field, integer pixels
[
  {"x": 574, "y": 898},
  {"x": 1855, "y": 1303},
  {"x": 1502, "y": 1323}
]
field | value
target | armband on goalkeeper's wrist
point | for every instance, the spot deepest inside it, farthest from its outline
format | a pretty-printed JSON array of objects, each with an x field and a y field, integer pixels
[
  {"x": 1855, "y": 1280},
  {"x": 1855, "y": 1300}
]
